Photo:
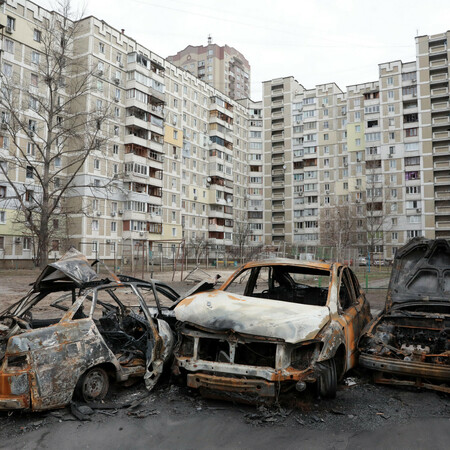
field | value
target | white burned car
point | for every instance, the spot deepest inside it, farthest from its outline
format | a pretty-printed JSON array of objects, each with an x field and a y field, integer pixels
[{"x": 273, "y": 326}]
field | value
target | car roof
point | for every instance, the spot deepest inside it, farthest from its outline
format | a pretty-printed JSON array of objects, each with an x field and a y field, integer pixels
[{"x": 292, "y": 262}]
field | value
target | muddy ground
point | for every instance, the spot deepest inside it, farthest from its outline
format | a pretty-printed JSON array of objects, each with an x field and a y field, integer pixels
[{"x": 363, "y": 415}]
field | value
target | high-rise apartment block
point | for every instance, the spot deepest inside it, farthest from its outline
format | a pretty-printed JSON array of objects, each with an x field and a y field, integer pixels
[
  {"x": 302, "y": 168},
  {"x": 224, "y": 67}
]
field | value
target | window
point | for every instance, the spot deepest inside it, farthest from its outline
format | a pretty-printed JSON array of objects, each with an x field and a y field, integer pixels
[
  {"x": 113, "y": 227},
  {"x": 412, "y": 161},
  {"x": 116, "y": 130},
  {"x": 410, "y": 132},
  {"x": 35, "y": 57},
  {"x": 9, "y": 46},
  {"x": 357, "y": 115},
  {"x": 11, "y": 23},
  {"x": 29, "y": 172},
  {"x": 390, "y": 80},
  {"x": 413, "y": 233},
  {"x": 115, "y": 149},
  {"x": 33, "y": 103},
  {"x": 392, "y": 135},
  {"x": 390, "y": 94},
  {"x": 97, "y": 164},
  {"x": 391, "y": 108},
  {"x": 30, "y": 149},
  {"x": 394, "y": 236},
  {"x": 37, "y": 35},
  {"x": 95, "y": 225},
  {"x": 175, "y": 134},
  {"x": 2, "y": 219},
  {"x": 325, "y": 137},
  {"x": 7, "y": 70},
  {"x": 101, "y": 47},
  {"x": 357, "y": 142},
  {"x": 117, "y": 111}
]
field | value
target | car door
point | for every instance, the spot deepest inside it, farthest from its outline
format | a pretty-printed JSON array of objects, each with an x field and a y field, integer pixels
[{"x": 349, "y": 312}]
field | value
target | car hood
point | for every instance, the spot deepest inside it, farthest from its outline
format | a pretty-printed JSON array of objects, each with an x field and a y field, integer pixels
[
  {"x": 421, "y": 272},
  {"x": 220, "y": 311}
]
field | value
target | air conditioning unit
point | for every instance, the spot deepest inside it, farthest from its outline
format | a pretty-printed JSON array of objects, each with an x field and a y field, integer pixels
[
  {"x": 358, "y": 159},
  {"x": 30, "y": 134},
  {"x": 100, "y": 73},
  {"x": 195, "y": 197},
  {"x": 418, "y": 210},
  {"x": 4, "y": 126},
  {"x": 391, "y": 155},
  {"x": 108, "y": 241},
  {"x": 141, "y": 233},
  {"x": 414, "y": 95},
  {"x": 327, "y": 192},
  {"x": 345, "y": 164},
  {"x": 296, "y": 230},
  {"x": 17, "y": 240},
  {"x": 116, "y": 99},
  {"x": 121, "y": 65},
  {"x": 117, "y": 80},
  {"x": 175, "y": 156},
  {"x": 99, "y": 213},
  {"x": 113, "y": 213},
  {"x": 120, "y": 212}
]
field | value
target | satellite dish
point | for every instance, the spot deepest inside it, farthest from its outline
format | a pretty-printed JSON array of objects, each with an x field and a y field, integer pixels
[
  {"x": 208, "y": 179},
  {"x": 284, "y": 166},
  {"x": 228, "y": 199}
]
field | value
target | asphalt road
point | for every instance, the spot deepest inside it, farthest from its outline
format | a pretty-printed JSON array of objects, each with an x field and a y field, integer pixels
[{"x": 363, "y": 416}]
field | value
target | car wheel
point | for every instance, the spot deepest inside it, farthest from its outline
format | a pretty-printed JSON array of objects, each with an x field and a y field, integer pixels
[
  {"x": 93, "y": 385},
  {"x": 327, "y": 383}
]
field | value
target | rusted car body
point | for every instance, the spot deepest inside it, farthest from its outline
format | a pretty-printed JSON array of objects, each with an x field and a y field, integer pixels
[
  {"x": 273, "y": 326},
  {"x": 409, "y": 342},
  {"x": 99, "y": 329}
]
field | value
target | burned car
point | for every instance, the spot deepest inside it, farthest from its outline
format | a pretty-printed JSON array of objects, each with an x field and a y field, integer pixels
[
  {"x": 409, "y": 342},
  {"x": 273, "y": 326},
  {"x": 99, "y": 329}
]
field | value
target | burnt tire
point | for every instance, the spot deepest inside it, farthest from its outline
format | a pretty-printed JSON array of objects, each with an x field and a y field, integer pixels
[
  {"x": 327, "y": 383},
  {"x": 93, "y": 385}
]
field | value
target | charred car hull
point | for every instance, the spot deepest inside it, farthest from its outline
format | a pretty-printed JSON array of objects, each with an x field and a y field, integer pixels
[
  {"x": 409, "y": 343},
  {"x": 89, "y": 331},
  {"x": 287, "y": 324}
]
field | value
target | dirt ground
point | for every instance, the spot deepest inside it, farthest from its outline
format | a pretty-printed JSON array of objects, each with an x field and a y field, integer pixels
[{"x": 363, "y": 415}]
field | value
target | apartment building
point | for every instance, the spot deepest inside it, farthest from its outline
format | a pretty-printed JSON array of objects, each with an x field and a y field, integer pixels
[
  {"x": 178, "y": 160},
  {"x": 223, "y": 67},
  {"x": 170, "y": 164}
]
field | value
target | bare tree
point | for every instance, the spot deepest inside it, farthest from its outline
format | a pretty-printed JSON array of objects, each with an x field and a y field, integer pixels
[
  {"x": 51, "y": 129},
  {"x": 241, "y": 235},
  {"x": 198, "y": 247},
  {"x": 338, "y": 229},
  {"x": 376, "y": 222}
]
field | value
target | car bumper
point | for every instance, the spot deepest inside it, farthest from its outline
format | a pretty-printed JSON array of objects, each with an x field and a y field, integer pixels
[
  {"x": 260, "y": 388},
  {"x": 405, "y": 368}
]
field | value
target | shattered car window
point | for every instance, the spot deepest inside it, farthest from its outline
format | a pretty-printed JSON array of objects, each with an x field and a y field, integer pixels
[{"x": 286, "y": 283}]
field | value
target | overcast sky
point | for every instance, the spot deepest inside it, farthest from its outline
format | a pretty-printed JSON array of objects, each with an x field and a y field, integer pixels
[{"x": 315, "y": 41}]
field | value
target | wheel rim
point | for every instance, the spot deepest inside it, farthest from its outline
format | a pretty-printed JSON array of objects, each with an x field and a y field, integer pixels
[{"x": 95, "y": 384}]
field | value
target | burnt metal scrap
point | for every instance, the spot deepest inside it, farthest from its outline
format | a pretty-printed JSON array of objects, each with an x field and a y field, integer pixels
[
  {"x": 409, "y": 343},
  {"x": 92, "y": 330},
  {"x": 273, "y": 326}
]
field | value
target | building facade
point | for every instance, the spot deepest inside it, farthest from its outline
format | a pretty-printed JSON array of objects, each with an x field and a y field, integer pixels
[
  {"x": 223, "y": 67},
  {"x": 180, "y": 161}
]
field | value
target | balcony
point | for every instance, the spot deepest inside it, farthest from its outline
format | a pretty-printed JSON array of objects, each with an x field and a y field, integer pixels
[
  {"x": 442, "y": 179},
  {"x": 438, "y": 49},
  {"x": 278, "y": 219},
  {"x": 445, "y": 224},
  {"x": 440, "y": 106},
  {"x": 442, "y": 120},
  {"x": 438, "y": 63},
  {"x": 442, "y": 165},
  {"x": 442, "y": 195},
  {"x": 441, "y": 149},
  {"x": 441, "y": 135},
  {"x": 439, "y": 77},
  {"x": 442, "y": 210},
  {"x": 439, "y": 92}
]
